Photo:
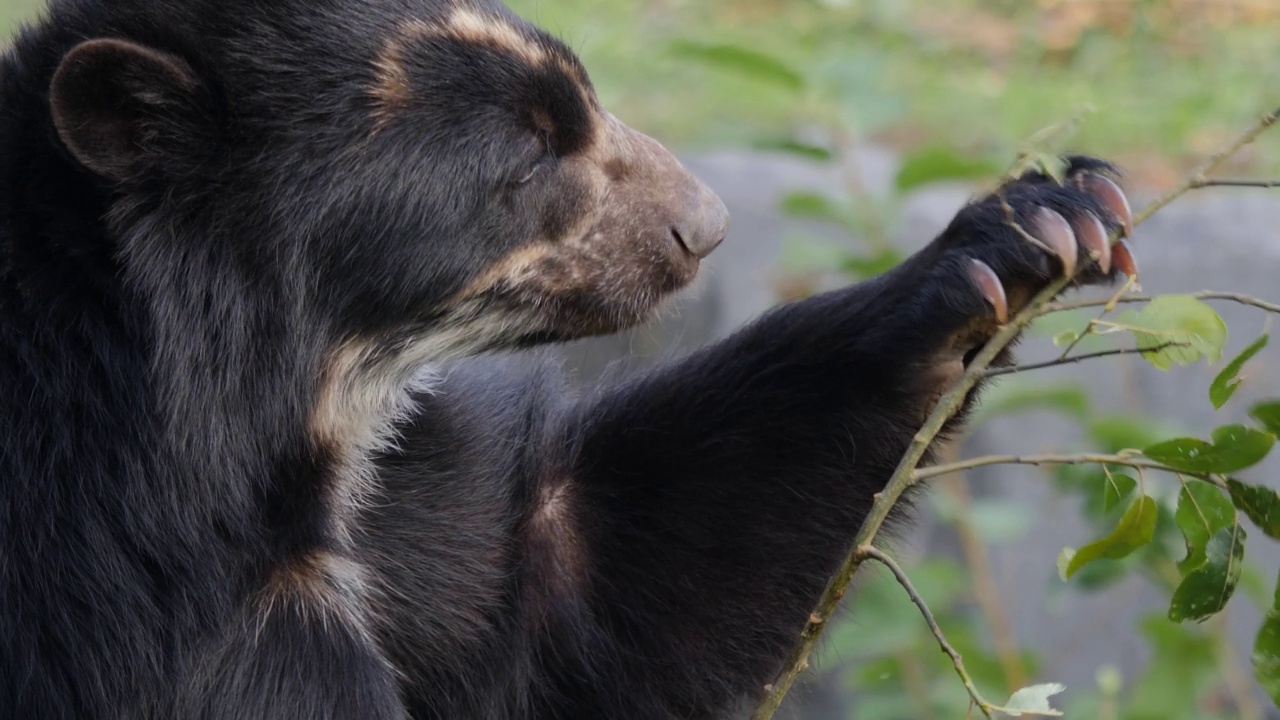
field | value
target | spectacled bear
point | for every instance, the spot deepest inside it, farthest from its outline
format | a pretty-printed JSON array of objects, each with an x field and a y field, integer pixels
[{"x": 233, "y": 231}]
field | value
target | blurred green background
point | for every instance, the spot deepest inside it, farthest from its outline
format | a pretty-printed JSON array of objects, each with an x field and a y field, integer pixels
[{"x": 1169, "y": 78}]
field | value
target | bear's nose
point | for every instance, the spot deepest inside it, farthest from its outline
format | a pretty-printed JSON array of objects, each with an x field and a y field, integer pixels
[{"x": 705, "y": 222}]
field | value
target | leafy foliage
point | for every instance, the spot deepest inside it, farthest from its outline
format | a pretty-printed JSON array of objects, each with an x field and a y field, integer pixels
[
  {"x": 1268, "y": 414},
  {"x": 1260, "y": 504},
  {"x": 1206, "y": 589},
  {"x": 1266, "y": 651},
  {"x": 1186, "y": 330},
  {"x": 1117, "y": 488},
  {"x": 1202, "y": 511},
  {"x": 1234, "y": 448},
  {"x": 1136, "y": 528},
  {"x": 1227, "y": 381},
  {"x": 1033, "y": 700},
  {"x": 1193, "y": 545}
]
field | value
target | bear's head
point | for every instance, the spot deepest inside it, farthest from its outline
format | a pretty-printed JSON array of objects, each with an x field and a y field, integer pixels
[
  {"x": 435, "y": 177},
  {"x": 363, "y": 186}
]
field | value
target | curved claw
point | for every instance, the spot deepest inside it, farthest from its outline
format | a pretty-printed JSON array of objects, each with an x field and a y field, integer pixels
[
  {"x": 1122, "y": 256},
  {"x": 1094, "y": 237},
  {"x": 1055, "y": 232},
  {"x": 1112, "y": 198},
  {"x": 992, "y": 291}
]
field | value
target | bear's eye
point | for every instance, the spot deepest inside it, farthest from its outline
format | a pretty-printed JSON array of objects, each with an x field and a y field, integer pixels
[
  {"x": 537, "y": 166},
  {"x": 545, "y": 159}
]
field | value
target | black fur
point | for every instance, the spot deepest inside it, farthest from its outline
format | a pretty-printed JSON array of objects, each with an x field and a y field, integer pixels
[{"x": 198, "y": 218}]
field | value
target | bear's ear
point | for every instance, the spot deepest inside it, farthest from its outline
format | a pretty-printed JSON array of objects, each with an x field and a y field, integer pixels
[{"x": 108, "y": 96}]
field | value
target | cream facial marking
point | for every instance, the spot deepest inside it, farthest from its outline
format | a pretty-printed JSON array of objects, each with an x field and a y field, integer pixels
[{"x": 392, "y": 90}]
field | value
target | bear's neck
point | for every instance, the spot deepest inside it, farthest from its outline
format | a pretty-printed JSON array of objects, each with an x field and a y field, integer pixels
[
  {"x": 204, "y": 382},
  {"x": 187, "y": 391}
]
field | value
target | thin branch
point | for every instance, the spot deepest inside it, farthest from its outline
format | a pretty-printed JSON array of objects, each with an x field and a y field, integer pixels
[
  {"x": 1083, "y": 356},
  {"x": 868, "y": 552},
  {"x": 1227, "y": 182},
  {"x": 1129, "y": 284},
  {"x": 1201, "y": 174},
  {"x": 905, "y": 474},
  {"x": 1201, "y": 295},
  {"x": 1124, "y": 459}
]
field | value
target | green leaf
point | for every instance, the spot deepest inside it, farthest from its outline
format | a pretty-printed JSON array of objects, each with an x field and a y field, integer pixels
[
  {"x": 1065, "y": 338},
  {"x": 1116, "y": 490},
  {"x": 939, "y": 163},
  {"x": 1064, "y": 561},
  {"x": 1182, "y": 319},
  {"x": 797, "y": 148},
  {"x": 1102, "y": 493},
  {"x": 1033, "y": 700},
  {"x": 1052, "y": 165},
  {"x": 1206, "y": 590},
  {"x": 1099, "y": 576},
  {"x": 1267, "y": 413},
  {"x": 1266, "y": 655},
  {"x": 1266, "y": 652},
  {"x": 1202, "y": 511},
  {"x": 1234, "y": 447},
  {"x": 748, "y": 62},
  {"x": 1226, "y": 383},
  {"x": 1136, "y": 528},
  {"x": 1260, "y": 504}
]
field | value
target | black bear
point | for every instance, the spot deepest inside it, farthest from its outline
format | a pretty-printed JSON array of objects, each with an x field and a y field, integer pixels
[{"x": 231, "y": 231}]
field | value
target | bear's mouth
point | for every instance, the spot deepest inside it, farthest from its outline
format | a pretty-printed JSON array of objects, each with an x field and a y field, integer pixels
[{"x": 609, "y": 278}]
